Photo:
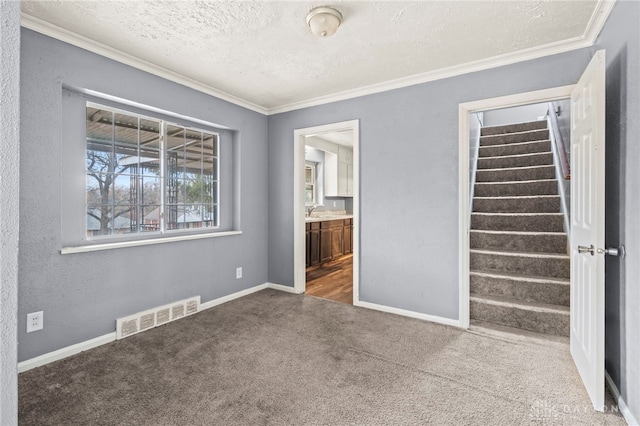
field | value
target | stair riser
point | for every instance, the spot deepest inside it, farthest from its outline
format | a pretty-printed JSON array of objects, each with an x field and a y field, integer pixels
[
  {"x": 511, "y": 205},
  {"x": 542, "y": 159},
  {"x": 542, "y": 243},
  {"x": 549, "y": 187},
  {"x": 512, "y": 128},
  {"x": 514, "y": 149},
  {"x": 510, "y": 175},
  {"x": 544, "y": 267},
  {"x": 543, "y": 292},
  {"x": 534, "y": 135},
  {"x": 541, "y": 322},
  {"x": 544, "y": 223}
]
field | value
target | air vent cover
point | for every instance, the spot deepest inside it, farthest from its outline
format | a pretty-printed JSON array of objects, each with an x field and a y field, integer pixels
[{"x": 133, "y": 324}]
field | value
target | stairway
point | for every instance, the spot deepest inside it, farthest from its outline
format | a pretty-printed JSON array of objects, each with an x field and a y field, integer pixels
[{"x": 519, "y": 276}]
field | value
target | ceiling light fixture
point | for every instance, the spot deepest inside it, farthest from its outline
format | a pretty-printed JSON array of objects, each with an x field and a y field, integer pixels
[{"x": 324, "y": 21}]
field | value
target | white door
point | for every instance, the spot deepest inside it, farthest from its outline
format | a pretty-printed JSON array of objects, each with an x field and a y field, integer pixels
[{"x": 587, "y": 227}]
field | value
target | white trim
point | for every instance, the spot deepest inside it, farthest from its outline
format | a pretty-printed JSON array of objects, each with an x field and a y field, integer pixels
[
  {"x": 86, "y": 43},
  {"x": 440, "y": 74},
  {"x": 355, "y": 231},
  {"x": 147, "y": 108},
  {"x": 111, "y": 337},
  {"x": 598, "y": 18},
  {"x": 464, "y": 110},
  {"x": 508, "y": 101},
  {"x": 228, "y": 298},
  {"x": 463, "y": 217},
  {"x": 410, "y": 314},
  {"x": 299, "y": 135},
  {"x": 622, "y": 406},
  {"x": 151, "y": 241},
  {"x": 65, "y": 352},
  {"x": 280, "y": 287},
  {"x": 559, "y": 176}
]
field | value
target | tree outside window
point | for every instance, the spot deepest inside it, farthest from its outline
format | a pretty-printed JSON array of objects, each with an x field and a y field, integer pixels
[{"x": 145, "y": 175}]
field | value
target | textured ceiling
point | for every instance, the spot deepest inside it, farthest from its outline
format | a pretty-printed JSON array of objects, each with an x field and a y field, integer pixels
[{"x": 262, "y": 51}]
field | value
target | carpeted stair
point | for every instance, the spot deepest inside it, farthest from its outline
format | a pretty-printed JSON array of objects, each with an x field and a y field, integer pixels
[{"x": 519, "y": 262}]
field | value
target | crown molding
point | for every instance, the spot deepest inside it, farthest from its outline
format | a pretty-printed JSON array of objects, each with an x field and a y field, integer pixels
[
  {"x": 86, "y": 43},
  {"x": 587, "y": 39},
  {"x": 598, "y": 19},
  {"x": 439, "y": 74}
]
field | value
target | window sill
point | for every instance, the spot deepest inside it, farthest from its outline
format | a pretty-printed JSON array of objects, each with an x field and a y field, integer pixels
[{"x": 135, "y": 243}]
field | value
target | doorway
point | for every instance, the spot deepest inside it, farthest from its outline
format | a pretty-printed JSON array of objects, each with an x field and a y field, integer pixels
[
  {"x": 326, "y": 211},
  {"x": 519, "y": 232},
  {"x": 467, "y": 112},
  {"x": 587, "y": 249}
]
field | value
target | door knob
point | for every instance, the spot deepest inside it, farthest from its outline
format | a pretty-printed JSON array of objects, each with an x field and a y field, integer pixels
[
  {"x": 613, "y": 251},
  {"x": 584, "y": 249}
]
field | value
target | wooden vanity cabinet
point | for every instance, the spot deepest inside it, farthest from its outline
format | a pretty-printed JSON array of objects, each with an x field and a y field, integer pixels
[
  {"x": 330, "y": 243},
  {"x": 313, "y": 243},
  {"x": 348, "y": 236},
  {"x": 328, "y": 240}
]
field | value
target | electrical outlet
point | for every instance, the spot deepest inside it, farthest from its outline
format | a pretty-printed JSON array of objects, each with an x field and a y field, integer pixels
[
  {"x": 35, "y": 321},
  {"x": 334, "y": 204},
  {"x": 238, "y": 273}
]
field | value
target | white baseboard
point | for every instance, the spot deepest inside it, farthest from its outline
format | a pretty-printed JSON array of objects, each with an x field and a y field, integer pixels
[
  {"x": 411, "y": 314},
  {"x": 108, "y": 338},
  {"x": 65, "y": 352},
  {"x": 230, "y": 297},
  {"x": 284, "y": 288},
  {"x": 622, "y": 406}
]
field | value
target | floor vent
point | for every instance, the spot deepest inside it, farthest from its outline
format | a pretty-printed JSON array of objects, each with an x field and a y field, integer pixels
[{"x": 133, "y": 324}]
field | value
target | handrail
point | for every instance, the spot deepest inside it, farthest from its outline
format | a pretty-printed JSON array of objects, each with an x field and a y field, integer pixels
[{"x": 559, "y": 141}]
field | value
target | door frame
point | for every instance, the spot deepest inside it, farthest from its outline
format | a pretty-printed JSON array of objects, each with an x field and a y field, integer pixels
[
  {"x": 464, "y": 110},
  {"x": 299, "y": 263}
]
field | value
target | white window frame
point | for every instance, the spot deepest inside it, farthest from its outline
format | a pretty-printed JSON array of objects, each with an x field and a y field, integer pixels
[
  {"x": 314, "y": 182},
  {"x": 136, "y": 238}
]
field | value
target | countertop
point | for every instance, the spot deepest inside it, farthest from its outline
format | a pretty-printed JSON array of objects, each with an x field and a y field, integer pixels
[{"x": 327, "y": 217}]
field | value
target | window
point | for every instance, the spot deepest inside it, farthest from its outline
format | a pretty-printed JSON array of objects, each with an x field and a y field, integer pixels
[
  {"x": 310, "y": 197},
  {"x": 145, "y": 175}
]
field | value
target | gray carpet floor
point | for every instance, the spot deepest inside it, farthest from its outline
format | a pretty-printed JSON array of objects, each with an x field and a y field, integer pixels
[{"x": 274, "y": 358}]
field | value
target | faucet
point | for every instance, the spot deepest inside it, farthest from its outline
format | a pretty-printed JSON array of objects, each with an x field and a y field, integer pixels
[{"x": 310, "y": 210}]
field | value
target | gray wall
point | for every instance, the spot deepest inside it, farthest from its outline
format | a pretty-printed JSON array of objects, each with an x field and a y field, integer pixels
[
  {"x": 9, "y": 214},
  {"x": 82, "y": 294},
  {"x": 341, "y": 203},
  {"x": 405, "y": 242},
  {"x": 621, "y": 38},
  {"x": 409, "y": 158},
  {"x": 521, "y": 114},
  {"x": 409, "y": 244}
]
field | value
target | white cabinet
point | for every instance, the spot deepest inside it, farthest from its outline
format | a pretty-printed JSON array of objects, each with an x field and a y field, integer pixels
[{"x": 339, "y": 173}]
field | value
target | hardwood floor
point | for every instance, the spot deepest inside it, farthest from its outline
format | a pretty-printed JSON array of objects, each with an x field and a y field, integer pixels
[{"x": 332, "y": 280}]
